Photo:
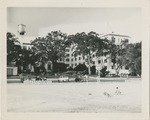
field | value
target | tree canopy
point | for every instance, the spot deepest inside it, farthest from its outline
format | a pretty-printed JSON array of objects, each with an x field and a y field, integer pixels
[
  {"x": 125, "y": 54},
  {"x": 87, "y": 45},
  {"x": 13, "y": 48},
  {"x": 134, "y": 55},
  {"x": 51, "y": 47},
  {"x": 118, "y": 54}
]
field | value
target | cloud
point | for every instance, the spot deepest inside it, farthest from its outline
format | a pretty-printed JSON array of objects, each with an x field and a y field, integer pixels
[{"x": 40, "y": 21}]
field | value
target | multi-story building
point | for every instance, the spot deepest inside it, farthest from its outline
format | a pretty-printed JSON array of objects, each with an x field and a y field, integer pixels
[
  {"x": 70, "y": 59},
  {"x": 98, "y": 62},
  {"x": 116, "y": 38}
]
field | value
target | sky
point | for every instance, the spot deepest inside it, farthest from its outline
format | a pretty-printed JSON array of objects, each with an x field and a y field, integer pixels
[{"x": 40, "y": 21}]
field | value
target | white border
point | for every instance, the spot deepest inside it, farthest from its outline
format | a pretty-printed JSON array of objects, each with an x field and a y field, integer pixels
[{"x": 143, "y": 4}]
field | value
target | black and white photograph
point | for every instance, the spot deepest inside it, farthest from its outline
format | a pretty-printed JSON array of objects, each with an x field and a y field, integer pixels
[
  {"x": 74, "y": 60},
  {"x": 89, "y": 62}
]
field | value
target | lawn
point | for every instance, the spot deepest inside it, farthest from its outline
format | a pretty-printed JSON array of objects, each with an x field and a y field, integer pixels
[{"x": 75, "y": 97}]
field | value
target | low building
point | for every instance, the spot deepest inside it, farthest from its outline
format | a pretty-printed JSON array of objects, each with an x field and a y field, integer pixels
[
  {"x": 26, "y": 46},
  {"x": 12, "y": 70}
]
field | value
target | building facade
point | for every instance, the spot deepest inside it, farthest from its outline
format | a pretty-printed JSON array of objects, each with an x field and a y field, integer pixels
[
  {"x": 116, "y": 38},
  {"x": 26, "y": 46},
  {"x": 99, "y": 62}
]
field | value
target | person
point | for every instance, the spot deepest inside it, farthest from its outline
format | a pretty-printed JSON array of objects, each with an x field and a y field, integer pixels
[
  {"x": 118, "y": 92},
  {"x": 86, "y": 77},
  {"x": 98, "y": 77},
  {"x": 76, "y": 78},
  {"x": 29, "y": 77},
  {"x": 21, "y": 77}
]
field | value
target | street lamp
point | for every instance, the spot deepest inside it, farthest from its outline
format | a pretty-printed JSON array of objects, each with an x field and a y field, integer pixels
[{"x": 21, "y": 29}]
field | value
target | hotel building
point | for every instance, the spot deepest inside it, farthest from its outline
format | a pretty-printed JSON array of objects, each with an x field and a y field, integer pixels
[{"x": 98, "y": 62}]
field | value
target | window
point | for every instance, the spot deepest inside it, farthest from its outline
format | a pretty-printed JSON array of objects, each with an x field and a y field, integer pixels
[
  {"x": 93, "y": 56},
  {"x": 112, "y": 67},
  {"x": 83, "y": 57},
  {"x": 67, "y": 60},
  {"x": 75, "y": 59},
  {"x": 113, "y": 39},
  {"x": 105, "y": 60},
  {"x": 49, "y": 66},
  {"x": 72, "y": 54},
  {"x": 127, "y": 68},
  {"x": 75, "y": 64},
  {"x": 60, "y": 59},
  {"x": 93, "y": 62},
  {"x": 127, "y": 40},
  {"x": 67, "y": 49},
  {"x": 99, "y": 61},
  {"x": 79, "y": 58},
  {"x": 72, "y": 59},
  {"x": 24, "y": 47},
  {"x": 29, "y": 47},
  {"x": 67, "y": 55}
]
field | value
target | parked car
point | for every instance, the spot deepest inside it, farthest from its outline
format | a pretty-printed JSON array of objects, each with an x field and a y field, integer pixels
[
  {"x": 79, "y": 78},
  {"x": 63, "y": 79}
]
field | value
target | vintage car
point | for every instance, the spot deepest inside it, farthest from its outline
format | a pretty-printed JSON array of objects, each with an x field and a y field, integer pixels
[{"x": 63, "y": 79}]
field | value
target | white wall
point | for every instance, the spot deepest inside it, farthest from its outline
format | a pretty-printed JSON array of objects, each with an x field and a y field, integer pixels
[{"x": 12, "y": 71}]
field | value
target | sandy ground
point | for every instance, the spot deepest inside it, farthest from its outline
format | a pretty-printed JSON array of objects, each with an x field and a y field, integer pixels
[{"x": 74, "y": 97}]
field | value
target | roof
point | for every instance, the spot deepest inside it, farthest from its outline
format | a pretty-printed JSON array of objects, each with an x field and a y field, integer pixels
[{"x": 116, "y": 35}]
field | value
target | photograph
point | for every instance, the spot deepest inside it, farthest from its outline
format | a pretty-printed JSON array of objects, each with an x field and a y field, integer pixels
[{"x": 74, "y": 60}]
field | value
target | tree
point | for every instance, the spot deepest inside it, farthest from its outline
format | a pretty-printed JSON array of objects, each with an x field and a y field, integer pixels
[
  {"x": 51, "y": 47},
  {"x": 118, "y": 54},
  {"x": 61, "y": 67},
  {"x": 93, "y": 70},
  {"x": 87, "y": 45},
  {"x": 134, "y": 53},
  {"x": 13, "y": 48},
  {"x": 70, "y": 69},
  {"x": 103, "y": 71},
  {"x": 27, "y": 59},
  {"x": 80, "y": 67},
  {"x": 128, "y": 55}
]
